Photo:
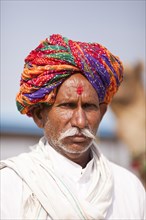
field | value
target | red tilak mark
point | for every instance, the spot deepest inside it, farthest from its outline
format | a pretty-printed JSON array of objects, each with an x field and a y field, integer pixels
[{"x": 79, "y": 90}]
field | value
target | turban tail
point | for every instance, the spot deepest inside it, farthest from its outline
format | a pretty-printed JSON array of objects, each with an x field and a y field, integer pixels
[{"x": 57, "y": 58}]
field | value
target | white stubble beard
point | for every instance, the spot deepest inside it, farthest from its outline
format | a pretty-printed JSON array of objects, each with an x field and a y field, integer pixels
[{"x": 58, "y": 144}]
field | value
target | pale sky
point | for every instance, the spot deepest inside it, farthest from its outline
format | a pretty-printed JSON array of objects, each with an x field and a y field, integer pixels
[{"x": 118, "y": 25}]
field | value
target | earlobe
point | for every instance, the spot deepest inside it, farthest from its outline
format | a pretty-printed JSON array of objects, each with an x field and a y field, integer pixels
[
  {"x": 38, "y": 117},
  {"x": 103, "y": 109}
]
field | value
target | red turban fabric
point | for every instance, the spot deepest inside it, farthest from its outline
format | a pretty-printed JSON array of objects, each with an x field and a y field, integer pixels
[{"x": 57, "y": 58}]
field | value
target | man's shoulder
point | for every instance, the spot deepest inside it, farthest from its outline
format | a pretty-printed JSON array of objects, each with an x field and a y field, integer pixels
[
  {"x": 118, "y": 168},
  {"x": 7, "y": 172},
  {"x": 122, "y": 173},
  {"x": 128, "y": 192},
  {"x": 21, "y": 159},
  {"x": 9, "y": 178},
  {"x": 126, "y": 180}
]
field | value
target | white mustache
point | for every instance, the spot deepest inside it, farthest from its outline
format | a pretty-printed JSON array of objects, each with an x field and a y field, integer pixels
[{"x": 75, "y": 131}]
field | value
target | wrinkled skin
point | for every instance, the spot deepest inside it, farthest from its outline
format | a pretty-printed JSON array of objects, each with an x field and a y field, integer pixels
[{"x": 76, "y": 105}]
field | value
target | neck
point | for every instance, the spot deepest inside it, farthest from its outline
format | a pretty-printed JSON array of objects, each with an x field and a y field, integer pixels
[{"x": 81, "y": 159}]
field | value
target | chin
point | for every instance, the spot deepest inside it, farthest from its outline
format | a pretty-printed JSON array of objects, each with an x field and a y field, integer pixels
[{"x": 75, "y": 148}]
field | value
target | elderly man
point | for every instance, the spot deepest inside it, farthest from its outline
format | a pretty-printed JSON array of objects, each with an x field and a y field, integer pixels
[{"x": 66, "y": 87}]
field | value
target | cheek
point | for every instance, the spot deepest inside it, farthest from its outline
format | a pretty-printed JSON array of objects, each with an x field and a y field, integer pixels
[
  {"x": 56, "y": 123},
  {"x": 62, "y": 119},
  {"x": 49, "y": 129},
  {"x": 64, "y": 115},
  {"x": 94, "y": 121}
]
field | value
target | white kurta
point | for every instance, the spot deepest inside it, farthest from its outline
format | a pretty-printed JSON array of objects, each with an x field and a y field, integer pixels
[{"x": 128, "y": 193}]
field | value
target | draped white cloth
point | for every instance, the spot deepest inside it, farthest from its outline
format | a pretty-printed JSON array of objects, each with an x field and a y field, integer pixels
[{"x": 46, "y": 195}]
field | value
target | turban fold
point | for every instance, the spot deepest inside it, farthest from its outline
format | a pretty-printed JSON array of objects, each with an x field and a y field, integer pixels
[{"x": 57, "y": 58}]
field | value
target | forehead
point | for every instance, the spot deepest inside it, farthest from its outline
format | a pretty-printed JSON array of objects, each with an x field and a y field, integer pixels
[{"x": 75, "y": 86}]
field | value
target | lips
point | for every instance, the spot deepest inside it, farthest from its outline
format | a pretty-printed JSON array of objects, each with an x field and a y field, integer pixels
[{"x": 78, "y": 138}]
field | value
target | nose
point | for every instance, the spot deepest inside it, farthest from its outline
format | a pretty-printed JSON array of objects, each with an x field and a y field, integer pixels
[{"x": 79, "y": 119}]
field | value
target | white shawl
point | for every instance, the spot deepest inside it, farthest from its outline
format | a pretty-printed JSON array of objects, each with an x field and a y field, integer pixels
[{"x": 47, "y": 196}]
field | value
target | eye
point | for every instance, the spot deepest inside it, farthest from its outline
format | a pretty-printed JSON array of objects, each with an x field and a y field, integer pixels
[
  {"x": 90, "y": 106},
  {"x": 69, "y": 105}
]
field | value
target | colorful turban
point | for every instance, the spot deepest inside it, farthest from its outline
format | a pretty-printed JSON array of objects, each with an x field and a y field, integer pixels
[{"x": 57, "y": 58}]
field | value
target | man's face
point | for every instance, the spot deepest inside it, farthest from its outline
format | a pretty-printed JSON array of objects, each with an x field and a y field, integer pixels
[{"x": 76, "y": 106}]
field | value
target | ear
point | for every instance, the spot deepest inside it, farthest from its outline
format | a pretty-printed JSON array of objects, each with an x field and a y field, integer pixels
[
  {"x": 39, "y": 116},
  {"x": 103, "y": 108}
]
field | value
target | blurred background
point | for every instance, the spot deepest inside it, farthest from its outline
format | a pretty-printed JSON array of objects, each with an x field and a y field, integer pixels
[{"x": 118, "y": 25}]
